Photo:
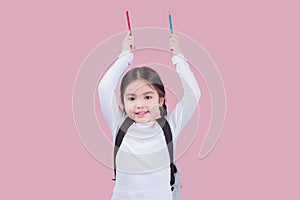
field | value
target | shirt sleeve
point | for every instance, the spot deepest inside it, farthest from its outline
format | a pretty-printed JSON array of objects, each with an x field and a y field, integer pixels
[
  {"x": 185, "y": 108},
  {"x": 113, "y": 114}
]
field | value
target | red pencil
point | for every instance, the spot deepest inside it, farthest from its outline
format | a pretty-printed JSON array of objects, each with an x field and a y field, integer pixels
[{"x": 128, "y": 22}]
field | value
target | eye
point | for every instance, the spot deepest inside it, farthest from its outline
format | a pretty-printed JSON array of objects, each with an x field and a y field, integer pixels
[
  {"x": 148, "y": 97},
  {"x": 130, "y": 98}
]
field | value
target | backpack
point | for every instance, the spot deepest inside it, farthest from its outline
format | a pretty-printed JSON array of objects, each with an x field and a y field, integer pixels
[{"x": 168, "y": 138}]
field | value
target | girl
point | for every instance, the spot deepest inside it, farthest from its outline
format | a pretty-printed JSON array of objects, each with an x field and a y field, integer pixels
[{"x": 143, "y": 160}]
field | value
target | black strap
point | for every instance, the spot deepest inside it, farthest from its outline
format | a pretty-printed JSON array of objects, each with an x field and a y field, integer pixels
[
  {"x": 169, "y": 140},
  {"x": 168, "y": 137},
  {"x": 119, "y": 138}
]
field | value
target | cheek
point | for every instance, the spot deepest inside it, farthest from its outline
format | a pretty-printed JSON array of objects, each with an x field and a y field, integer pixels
[
  {"x": 154, "y": 106},
  {"x": 154, "y": 111},
  {"x": 128, "y": 106}
]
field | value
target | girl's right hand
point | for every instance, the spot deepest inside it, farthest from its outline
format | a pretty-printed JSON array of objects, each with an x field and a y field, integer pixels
[{"x": 128, "y": 43}]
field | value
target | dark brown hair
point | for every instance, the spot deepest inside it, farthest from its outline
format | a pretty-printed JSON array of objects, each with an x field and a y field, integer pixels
[{"x": 150, "y": 76}]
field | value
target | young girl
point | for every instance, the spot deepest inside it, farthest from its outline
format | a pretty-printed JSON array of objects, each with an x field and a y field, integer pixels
[{"x": 143, "y": 158}]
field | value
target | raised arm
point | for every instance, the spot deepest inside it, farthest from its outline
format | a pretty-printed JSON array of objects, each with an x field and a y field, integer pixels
[
  {"x": 106, "y": 88},
  {"x": 185, "y": 108}
]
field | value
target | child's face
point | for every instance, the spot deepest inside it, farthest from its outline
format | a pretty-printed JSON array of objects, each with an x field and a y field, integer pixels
[{"x": 141, "y": 101}]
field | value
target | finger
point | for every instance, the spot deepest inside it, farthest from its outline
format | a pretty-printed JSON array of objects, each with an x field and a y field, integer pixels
[
  {"x": 172, "y": 39},
  {"x": 172, "y": 35},
  {"x": 130, "y": 38},
  {"x": 126, "y": 38},
  {"x": 132, "y": 47}
]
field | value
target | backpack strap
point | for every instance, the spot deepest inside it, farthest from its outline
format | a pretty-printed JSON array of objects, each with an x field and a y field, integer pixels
[
  {"x": 169, "y": 140},
  {"x": 168, "y": 137},
  {"x": 119, "y": 138}
]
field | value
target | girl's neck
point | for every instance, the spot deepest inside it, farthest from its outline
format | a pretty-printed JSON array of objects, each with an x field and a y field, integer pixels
[{"x": 144, "y": 124}]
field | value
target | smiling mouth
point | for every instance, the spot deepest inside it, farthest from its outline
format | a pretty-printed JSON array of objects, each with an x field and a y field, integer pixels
[{"x": 140, "y": 114}]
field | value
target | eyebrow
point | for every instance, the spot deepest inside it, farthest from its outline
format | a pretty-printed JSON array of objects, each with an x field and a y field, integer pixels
[{"x": 145, "y": 93}]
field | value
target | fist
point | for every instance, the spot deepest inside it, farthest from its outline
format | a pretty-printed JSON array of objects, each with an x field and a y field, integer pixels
[
  {"x": 128, "y": 43},
  {"x": 174, "y": 44}
]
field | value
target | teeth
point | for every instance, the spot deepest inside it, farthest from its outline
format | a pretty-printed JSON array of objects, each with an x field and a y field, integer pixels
[{"x": 140, "y": 113}]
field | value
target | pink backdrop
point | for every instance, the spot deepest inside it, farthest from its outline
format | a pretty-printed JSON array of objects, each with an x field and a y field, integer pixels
[{"x": 255, "y": 45}]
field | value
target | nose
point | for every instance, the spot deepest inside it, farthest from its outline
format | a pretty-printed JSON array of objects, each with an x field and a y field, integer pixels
[{"x": 139, "y": 103}]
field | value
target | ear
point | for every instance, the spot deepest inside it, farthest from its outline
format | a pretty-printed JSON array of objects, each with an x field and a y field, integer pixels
[{"x": 161, "y": 101}]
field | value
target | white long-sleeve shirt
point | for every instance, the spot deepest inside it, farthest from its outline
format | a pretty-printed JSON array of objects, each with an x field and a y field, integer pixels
[{"x": 143, "y": 163}]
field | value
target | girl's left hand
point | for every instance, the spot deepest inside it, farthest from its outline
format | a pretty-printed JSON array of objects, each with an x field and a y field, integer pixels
[{"x": 174, "y": 44}]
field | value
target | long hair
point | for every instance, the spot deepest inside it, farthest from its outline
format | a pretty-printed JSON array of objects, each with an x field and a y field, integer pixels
[{"x": 150, "y": 76}]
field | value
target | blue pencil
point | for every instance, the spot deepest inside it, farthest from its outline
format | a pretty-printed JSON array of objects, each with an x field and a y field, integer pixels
[{"x": 170, "y": 22}]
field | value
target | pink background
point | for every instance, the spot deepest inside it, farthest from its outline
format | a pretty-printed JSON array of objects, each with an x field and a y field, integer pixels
[{"x": 255, "y": 45}]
